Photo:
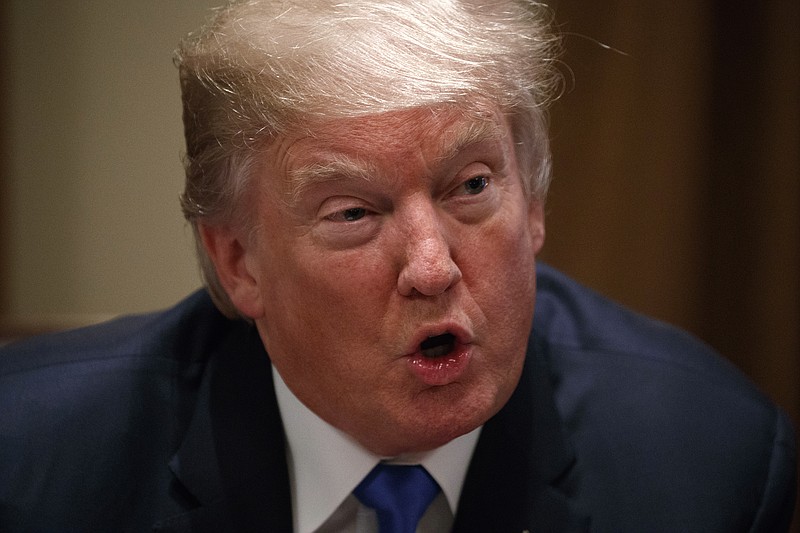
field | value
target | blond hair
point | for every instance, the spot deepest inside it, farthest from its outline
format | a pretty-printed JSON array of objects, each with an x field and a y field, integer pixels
[{"x": 262, "y": 68}]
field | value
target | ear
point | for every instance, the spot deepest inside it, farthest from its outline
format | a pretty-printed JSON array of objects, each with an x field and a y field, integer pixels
[
  {"x": 536, "y": 223},
  {"x": 229, "y": 251}
]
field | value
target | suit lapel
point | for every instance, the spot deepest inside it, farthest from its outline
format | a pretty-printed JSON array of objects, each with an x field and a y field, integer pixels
[
  {"x": 231, "y": 466},
  {"x": 232, "y": 462},
  {"x": 522, "y": 475}
]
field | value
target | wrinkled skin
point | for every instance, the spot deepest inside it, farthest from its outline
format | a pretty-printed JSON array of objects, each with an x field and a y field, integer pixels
[{"x": 373, "y": 234}]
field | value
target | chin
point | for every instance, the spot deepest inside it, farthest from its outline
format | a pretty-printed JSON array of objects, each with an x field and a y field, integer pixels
[
  {"x": 415, "y": 443},
  {"x": 430, "y": 429}
]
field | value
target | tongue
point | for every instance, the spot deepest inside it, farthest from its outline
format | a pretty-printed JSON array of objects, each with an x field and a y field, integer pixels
[{"x": 437, "y": 346}]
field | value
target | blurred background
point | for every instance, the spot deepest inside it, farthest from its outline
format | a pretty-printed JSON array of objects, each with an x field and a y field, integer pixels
[
  {"x": 676, "y": 157},
  {"x": 677, "y": 171},
  {"x": 91, "y": 145}
]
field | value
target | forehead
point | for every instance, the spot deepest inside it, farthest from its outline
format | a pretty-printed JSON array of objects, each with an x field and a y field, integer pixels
[
  {"x": 431, "y": 128},
  {"x": 374, "y": 141}
]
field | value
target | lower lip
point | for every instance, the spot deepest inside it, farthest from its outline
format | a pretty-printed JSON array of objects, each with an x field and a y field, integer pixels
[{"x": 437, "y": 371}]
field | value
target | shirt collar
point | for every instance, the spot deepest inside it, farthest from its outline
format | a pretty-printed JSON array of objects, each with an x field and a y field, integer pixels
[{"x": 326, "y": 464}]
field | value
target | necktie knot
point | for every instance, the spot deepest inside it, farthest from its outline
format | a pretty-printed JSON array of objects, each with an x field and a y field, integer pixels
[{"x": 400, "y": 494}]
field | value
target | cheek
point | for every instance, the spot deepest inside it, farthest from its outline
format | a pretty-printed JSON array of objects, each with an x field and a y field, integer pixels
[
  {"x": 325, "y": 296},
  {"x": 347, "y": 280},
  {"x": 503, "y": 251},
  {"x": 499, "y": 269}
]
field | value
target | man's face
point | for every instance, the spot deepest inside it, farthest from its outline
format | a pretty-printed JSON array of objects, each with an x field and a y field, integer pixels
[{"x": 393, "y": 272}]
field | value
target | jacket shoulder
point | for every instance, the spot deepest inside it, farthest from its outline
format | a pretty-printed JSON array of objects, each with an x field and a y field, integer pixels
[
  {"x": 574, "y": 319},
  {"x": 663, "y": 428},
  {"x": 91, "y": 417},
  {"x": 175, "y": 333},
  {"x": 100, "y": 373}
]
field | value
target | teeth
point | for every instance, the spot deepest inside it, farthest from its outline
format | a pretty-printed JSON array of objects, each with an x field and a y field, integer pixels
[{"x": 438, "y": 345}]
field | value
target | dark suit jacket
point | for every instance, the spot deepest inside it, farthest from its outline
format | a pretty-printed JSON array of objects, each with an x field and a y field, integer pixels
[{"x": 169, "y": 422}]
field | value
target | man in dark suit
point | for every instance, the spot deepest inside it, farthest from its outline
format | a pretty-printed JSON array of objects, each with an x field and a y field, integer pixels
[{"x": 366, "y": 183}]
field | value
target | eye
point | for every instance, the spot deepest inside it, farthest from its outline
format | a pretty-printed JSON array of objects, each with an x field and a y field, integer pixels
[
  {"x": 346, "y": 223},
  {"x": 476, "y": 185},
  {"x": 348, "y": 215}
]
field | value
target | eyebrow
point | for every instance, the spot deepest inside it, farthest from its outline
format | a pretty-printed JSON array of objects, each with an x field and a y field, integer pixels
[
  {"x": 337, "y": 168},
  {"x": 477, "y": 131},
  {"x": 451, "y": 143}
]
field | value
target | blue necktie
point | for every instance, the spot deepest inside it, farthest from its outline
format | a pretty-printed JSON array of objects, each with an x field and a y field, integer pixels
[{"x": 400, "y": 494}]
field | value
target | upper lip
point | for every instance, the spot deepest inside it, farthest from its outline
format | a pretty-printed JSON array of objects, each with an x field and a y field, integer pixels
[{"x": 462, "y": 335}]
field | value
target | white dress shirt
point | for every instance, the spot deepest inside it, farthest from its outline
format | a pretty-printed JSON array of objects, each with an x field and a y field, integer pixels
[{"x": 325, "y": 465}]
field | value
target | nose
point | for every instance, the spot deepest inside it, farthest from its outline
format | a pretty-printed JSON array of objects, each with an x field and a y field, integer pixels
[{"x": 429, "y": 268}]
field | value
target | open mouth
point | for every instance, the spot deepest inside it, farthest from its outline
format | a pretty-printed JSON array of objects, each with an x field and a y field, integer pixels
[
  {"x": 438, "y": 345},
  {"x": 441, "y": 359}
]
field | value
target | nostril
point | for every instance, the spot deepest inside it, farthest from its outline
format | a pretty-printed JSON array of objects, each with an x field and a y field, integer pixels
[{"x": 429, "y": 269}]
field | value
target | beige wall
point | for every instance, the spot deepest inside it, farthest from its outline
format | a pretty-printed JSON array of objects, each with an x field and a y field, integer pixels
[{"x": 91, "y": 169}]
